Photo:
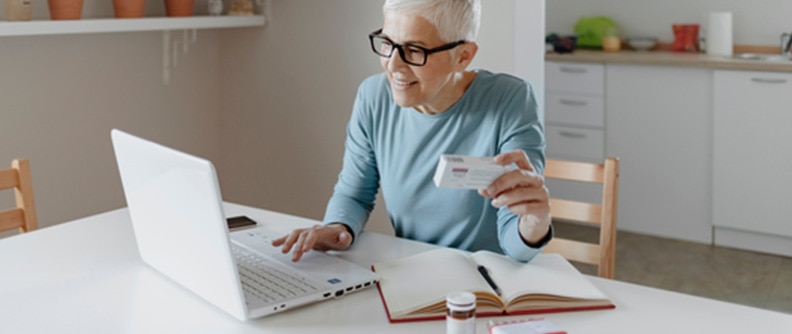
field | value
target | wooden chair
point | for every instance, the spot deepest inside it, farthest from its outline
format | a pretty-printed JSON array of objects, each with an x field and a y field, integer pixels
[
  {"x": 603, "y": 253},
  {"x": 23, "y": 216}
]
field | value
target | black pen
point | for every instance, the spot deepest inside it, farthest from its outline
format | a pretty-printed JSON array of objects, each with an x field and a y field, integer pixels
[{"x": 485, "y": 273}]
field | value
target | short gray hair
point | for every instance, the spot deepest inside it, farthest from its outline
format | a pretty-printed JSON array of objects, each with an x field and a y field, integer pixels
[{"x": 454, "y": 19}]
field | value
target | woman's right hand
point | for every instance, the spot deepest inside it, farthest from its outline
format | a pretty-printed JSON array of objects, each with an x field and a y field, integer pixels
[{"x": 318, "y": 237}]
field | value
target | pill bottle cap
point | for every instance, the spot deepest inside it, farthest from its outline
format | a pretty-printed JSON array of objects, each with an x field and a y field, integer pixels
[{"x": 461, "y": 301}]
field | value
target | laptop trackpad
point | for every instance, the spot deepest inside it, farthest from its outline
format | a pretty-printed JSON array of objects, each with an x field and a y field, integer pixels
[{"x": 318, "y": 265}]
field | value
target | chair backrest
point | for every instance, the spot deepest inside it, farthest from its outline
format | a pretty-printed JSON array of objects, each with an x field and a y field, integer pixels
[
  {"x": 602, "y": 254},
  {"x": 23, "y": 216}
]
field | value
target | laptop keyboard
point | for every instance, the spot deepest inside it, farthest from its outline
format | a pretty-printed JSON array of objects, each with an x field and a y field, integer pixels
[{"x": 265, "y": 281}]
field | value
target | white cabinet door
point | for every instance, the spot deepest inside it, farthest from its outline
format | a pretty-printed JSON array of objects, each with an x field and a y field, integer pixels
[
  {"x": 658, "y": 124},
  {"x": 752, "y": 152}
]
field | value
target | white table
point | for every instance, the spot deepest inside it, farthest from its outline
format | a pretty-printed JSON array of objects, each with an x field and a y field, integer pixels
[{"x": 85, "y": 276}]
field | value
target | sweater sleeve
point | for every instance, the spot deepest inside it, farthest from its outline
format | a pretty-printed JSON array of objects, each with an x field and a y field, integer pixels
[
  {"x": 358, "y": 182},
  {"x": 521, "y": 129}
]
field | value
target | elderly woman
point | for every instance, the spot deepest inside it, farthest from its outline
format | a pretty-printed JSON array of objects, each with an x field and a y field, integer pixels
[{"x": 428, "y": 103}]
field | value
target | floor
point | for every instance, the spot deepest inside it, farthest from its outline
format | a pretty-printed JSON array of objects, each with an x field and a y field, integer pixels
[{"x": 727, "y": 274}]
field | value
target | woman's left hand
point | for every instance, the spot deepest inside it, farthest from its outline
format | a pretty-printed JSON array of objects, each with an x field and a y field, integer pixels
[{"x": 523, "y": 191}]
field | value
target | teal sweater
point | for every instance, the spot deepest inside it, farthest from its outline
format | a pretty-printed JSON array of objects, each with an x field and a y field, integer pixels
[{"x": 398, "y": 149}]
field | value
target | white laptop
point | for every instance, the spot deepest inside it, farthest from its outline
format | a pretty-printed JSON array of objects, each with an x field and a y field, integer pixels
[{"x": 177, "y": 215}]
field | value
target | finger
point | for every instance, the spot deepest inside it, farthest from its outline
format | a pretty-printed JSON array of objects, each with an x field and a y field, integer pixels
[
  {"x": 290, "y": 240},
  {"x": 299, "y": 246},
  {"x": 297, "y": 255},
  {"x": 279, "y": 241},
  {"x": 535, "y": 208},
  {"x": 517, "y": 157},
  {"x": 309, "y": 240},
  {"x": 514, "y": 179},
  {"x": 520, "y": 195}
]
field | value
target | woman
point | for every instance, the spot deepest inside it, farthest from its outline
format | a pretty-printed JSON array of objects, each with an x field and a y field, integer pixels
[{"x": 425, "y": 104}]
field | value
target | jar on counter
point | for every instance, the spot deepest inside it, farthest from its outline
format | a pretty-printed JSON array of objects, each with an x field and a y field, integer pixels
[
  {"x": 611, "y": 43},
  {"x": 18, "y": 10},
  {"x": 461, "y": 313}
]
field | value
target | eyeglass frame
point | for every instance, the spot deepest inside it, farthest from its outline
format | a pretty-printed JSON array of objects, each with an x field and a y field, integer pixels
[{"x": 400, "y": 47}]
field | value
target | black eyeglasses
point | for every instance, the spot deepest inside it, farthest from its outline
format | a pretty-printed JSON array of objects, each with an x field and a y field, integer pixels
[{"x": 411, "y": 54}]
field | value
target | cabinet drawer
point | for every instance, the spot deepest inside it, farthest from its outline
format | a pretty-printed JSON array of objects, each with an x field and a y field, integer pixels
[
  {"x": 575, "y": 110},
  {"x": 575, "y": 144},
  {"x": 575, "y": 78}
]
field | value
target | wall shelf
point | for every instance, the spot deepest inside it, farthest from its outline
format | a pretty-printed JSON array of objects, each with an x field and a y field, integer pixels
[{"x": 113, "y": 25}]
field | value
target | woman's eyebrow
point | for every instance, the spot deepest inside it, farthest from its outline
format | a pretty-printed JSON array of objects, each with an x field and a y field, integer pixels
[
  {"x": 418, "y": 43},
  {"x": 415, "y": 43}
]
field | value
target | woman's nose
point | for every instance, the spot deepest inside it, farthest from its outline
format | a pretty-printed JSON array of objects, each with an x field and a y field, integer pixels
[{"x": 395, "y": 61}]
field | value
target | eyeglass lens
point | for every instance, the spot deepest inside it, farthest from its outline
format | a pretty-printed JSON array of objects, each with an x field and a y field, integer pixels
[{"x": 408, "y": 53}]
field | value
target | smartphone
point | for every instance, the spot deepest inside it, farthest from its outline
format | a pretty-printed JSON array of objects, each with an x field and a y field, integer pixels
[{"x": 238, "y": 222}]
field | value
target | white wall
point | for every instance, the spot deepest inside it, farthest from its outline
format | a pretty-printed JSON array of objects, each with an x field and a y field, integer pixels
[
  {"x": 289, "y": 91},
  {"x": 268, "y": 105},
  {"x": 61, "y": 95},
  {"x": 274, "y": 100},
  {"x": 755, "y": 22}
]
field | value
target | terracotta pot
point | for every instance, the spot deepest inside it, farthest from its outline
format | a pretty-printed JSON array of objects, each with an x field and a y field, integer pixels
[
  {"x": 179, "y": 7},
  {"x": 65, "y": 9},
  {"x": 129, "y": 8}
]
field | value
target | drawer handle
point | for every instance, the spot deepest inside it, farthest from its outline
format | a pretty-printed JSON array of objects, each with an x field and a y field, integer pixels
[
  {"x": 573, "y": 70},
  {"x": 573, "y": 135},
  {"x": 769, "y": 81},
  {"x": 574, "y": 103}
]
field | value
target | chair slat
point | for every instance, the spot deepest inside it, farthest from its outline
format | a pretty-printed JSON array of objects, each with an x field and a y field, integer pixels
[
  {"x": 574, "y": 250},
  {"x": 574, "y": 171},
  {"x": 578, "y": 211},
  {"x": 11, "y": 219}
]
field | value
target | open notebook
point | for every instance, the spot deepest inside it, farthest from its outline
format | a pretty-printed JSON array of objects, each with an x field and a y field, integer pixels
[
  {"x": 177, "y": 214},
  {"x": 415, "y": 287}
]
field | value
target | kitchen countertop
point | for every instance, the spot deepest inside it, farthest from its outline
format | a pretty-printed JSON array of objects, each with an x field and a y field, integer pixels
[{"x": 666, "y": 58}]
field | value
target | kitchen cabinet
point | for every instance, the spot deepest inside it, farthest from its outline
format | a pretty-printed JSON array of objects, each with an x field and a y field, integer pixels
[
  {"x": 574, "y": 111},
  {"x": 656, "y": 120},
  {"x": 575, "y": 120},
  {"x": 703, "y": 143},
  {"x": 752, "y": 179},
  {"x": 658, "y": 124}
]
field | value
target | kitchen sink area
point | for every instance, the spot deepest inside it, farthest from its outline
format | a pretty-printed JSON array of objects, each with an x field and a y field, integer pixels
[
  {"x": 745, "y": 61},
  {"x": 763, "y": 57}
]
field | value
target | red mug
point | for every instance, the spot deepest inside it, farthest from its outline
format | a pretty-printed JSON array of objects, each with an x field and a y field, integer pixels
[{"x": 685, "y": 38}]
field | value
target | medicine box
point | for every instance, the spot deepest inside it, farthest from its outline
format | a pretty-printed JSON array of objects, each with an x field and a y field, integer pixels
[
  {"x": 524, "y": 326},
  {"x": 467, "y": 172}
]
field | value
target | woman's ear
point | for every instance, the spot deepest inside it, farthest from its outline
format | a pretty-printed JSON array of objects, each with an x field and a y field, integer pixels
[{"x": 466, "y": 53}]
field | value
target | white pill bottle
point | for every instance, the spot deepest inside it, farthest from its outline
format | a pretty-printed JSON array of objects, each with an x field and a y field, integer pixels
[{"x": 461, "y": 313}]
